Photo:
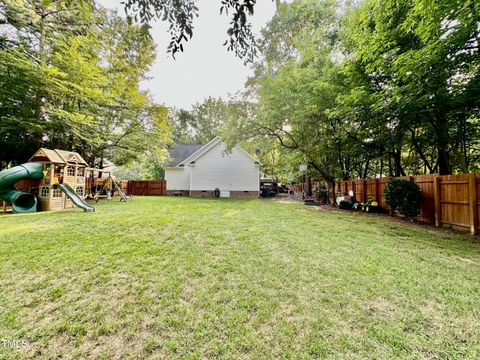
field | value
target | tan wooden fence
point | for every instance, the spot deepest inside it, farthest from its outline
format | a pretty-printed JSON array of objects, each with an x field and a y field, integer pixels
[
  {"x": 144, "y": 187},
  {"x": 451, "y": 200}
]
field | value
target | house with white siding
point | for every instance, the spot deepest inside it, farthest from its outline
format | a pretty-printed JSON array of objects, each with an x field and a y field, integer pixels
[{"x": 197, "y": 170}]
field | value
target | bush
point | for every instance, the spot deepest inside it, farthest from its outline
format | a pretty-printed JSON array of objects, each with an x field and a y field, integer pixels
[{"x": 404, "y": 196}]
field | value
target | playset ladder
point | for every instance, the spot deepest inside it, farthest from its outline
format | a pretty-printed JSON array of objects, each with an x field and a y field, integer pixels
[{"x": 122, "y": 195}]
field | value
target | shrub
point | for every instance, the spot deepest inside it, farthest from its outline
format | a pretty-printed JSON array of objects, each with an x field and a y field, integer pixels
[{"x": 404, "y": 196}]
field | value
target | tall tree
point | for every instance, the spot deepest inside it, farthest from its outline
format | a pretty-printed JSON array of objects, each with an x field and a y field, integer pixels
[
  {"x": 423, "y": 62},
  {"x": 202, "y": 123},
  {"x": 70, "y": 79},
  {"x": 295, "y": 86}
]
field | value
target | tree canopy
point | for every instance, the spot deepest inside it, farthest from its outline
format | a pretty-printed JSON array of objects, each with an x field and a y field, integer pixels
[
  {"x": 200, "y": 124},
  {"x": 69, "y": 78},
  {"x": 180, "y": 14},
  {"x": 373, "y": 88},
  {"x": 379, "y": 88}
]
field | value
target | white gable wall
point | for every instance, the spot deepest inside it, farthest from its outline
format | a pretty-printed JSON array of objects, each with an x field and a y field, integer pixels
[
  {"x": 178, "y": 178},
  {"x": 232, "y": 172}
]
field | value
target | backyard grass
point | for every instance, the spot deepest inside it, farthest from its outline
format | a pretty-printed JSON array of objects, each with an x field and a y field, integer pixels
[{"x": 219, "y": 278}]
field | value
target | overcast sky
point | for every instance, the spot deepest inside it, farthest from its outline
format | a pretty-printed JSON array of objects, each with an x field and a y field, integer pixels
[{"x": 205, "y": 68}]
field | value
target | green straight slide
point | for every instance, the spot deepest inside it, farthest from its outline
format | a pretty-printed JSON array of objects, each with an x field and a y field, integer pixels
[
  {"x": 77, "y": 200},
  {"x": 22, "y": 202}
]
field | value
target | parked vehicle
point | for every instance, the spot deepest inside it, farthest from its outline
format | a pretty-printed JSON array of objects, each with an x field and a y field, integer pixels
[{"x": 268, "y": 188}]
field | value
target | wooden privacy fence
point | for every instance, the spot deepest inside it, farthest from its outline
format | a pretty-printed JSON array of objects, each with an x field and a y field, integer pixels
[
  {"x": 144, "y": 187},
  {"x": 451, "y": 200}
]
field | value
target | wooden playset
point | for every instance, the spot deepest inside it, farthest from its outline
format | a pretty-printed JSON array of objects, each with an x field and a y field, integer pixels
[
  {"x": 55, "y": 180},
  {"x": 60, "y": 167}
]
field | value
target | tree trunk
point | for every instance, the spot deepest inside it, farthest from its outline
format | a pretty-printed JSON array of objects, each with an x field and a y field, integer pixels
[
  {"x": 332, "y": 193},
  {"x": 443, "y": 142},
  {"x": 365, "y": 170},
  {"x": 390, "y": 167},
  {"x": 443, "y": 161},
  {"x": 416, "y": 145},
  {"x": 38, "y": 136},
  {"x": 308, "y": 185},
  {"x": 100, "y": 173},
  {"x": 397, "y": 157}
]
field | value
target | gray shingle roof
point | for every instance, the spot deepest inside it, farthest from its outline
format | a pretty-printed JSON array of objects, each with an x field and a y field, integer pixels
[{"x": 180, "y": 152}]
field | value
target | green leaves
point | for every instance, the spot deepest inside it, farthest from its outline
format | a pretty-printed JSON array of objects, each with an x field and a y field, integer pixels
[
  {"x": 295, "y": 88},
  {"x": 202, "y": 123},
  {"x": 77, "y": 86},
  {"x": 412, "y": 53},
  {"x": 379, "y": 88},
  {"x": 404, "y": 196}
]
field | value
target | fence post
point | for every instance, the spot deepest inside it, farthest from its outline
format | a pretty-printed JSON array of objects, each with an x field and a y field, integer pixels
[
  {"x": 437, "y": 197},
  {"x": 376, "y": 190},
  {"x": 472, "y": 204}
]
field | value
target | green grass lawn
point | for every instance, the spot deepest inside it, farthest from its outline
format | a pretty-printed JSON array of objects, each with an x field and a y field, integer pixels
[{"x": 205, "y": 278}]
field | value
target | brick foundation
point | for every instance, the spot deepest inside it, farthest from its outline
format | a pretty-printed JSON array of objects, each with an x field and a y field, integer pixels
[
  {"x": 178, "y": 192},
  {"x": 205, "y": 194},
  {"x": 233, "y": 194},
  {"x": 244, "y": 194}
]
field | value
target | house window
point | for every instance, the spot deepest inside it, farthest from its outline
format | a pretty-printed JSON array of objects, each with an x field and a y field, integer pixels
[
  {"x": 79, "y": 191},
  {"x": 44, "y": 190},
  {"x": 81, "y": 172},
  {"x": 56, "y": 193},
  {"x": 70, "y": 170}
]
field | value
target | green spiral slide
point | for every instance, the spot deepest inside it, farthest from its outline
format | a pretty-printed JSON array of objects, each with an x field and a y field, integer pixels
[{"x": 22, "y": 202}]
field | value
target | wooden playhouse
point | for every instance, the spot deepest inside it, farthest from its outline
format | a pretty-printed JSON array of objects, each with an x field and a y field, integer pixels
[{"x": 59, "y": 167}]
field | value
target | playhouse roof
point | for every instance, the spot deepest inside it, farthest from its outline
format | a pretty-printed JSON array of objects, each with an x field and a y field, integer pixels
[{"x": 58, "y": 157}]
